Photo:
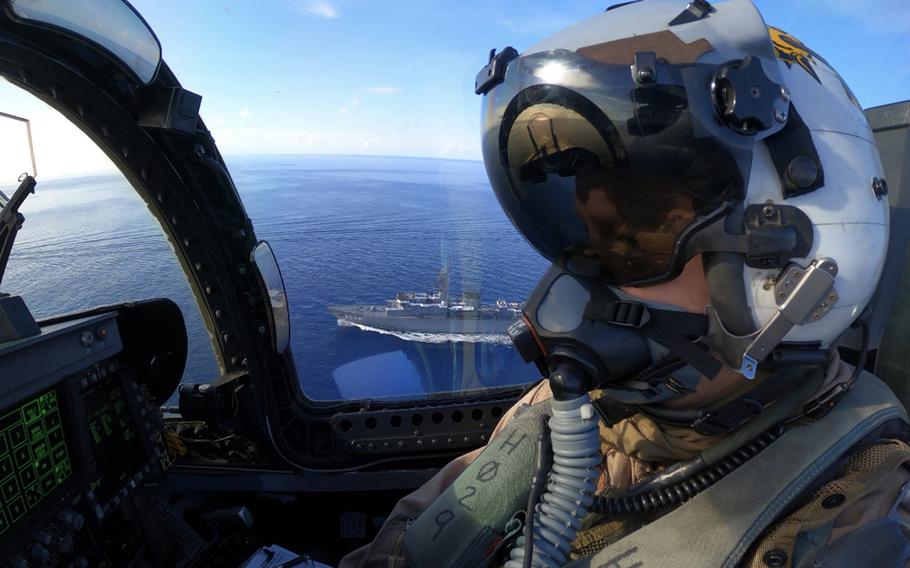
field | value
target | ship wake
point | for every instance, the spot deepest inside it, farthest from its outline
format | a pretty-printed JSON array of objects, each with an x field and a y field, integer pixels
[{"x": 427, "y": 337}]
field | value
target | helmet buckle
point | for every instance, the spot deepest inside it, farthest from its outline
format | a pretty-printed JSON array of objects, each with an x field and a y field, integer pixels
[
  {"x": 619, "y": 312},
  {"x": 644, "y": 69}
]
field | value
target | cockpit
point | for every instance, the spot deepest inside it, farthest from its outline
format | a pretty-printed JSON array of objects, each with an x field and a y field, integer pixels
[
  {"x": 152, "y": 410},
  {"x": 312, "y": 338}
]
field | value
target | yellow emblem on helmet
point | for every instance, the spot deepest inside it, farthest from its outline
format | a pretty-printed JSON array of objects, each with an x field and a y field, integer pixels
[{"x": 790, "y": 50}]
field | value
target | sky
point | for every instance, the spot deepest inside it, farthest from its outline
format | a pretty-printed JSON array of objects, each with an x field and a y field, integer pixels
[{"x": 395, "y": 77}]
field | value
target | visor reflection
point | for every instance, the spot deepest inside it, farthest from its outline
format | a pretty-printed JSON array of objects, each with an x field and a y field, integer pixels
[{"x": 632, "y": 225}]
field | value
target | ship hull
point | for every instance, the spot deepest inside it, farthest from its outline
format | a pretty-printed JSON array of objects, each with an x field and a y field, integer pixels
[{"x": 441, "y": 325}]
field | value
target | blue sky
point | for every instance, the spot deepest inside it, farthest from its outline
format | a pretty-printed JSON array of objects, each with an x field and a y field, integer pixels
[{"x": 395, "y": 77}]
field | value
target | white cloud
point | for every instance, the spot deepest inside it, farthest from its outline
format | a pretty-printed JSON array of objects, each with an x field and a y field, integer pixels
[
  {"x": 381, "y": 90},
  {"x": 320, "y": 8},
  {"x": 351, "y": 104},
  {"x": 245, "y": 112}
]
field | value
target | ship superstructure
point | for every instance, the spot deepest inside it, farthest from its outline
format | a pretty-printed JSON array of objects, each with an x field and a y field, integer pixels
[{"x": 433, "y": 312}]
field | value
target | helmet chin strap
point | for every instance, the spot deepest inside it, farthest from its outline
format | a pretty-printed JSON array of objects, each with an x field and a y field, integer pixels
[
  {"x": 720, "y": 419},
  {"x": 673, "y": 335},
  {"x": 803, "y": 295},
  {"x": 642, "y": 354},
  {"x": 669, "y": 377},
  {"x": 656, "y": 385},
  {"x": 678, "y": 332}
]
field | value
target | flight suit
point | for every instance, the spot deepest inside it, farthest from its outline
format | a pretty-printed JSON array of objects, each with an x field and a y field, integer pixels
[{"x": 862, "y": 490}]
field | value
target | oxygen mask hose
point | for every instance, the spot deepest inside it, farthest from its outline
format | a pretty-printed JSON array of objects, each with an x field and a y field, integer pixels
[{"x": 569, "y": 492}]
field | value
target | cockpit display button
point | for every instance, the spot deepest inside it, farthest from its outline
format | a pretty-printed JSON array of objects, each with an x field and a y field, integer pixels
[
  {"x": 28, "y": 475},
  {"x": 51, "y": 421},
  {"x": 31, "y": 412},
  {"x": 35, "y": 432},
  {"x": 45, "y": 466},
  {"x": 87, "y": 338},
  {"x": 9, "y": 488},
  {"x": 6, "y": 466},
  {"x": 55, "y": 436},
  {"x": 16, "y": 435},
  {"x": 58, "y": 454},
  {"x": 22, "y": 456},
  {"x": 16, "y": 508},
  {"x": 48, "y": 483},
  {"x": 33, "y": 495},
  {"x": 62, "y": 470}
]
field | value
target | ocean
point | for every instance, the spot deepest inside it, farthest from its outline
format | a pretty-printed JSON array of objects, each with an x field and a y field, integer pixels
[{"x": 345, "y": 230}]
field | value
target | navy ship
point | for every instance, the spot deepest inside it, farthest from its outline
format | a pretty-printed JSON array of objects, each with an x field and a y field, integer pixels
[{"x": 433, "y": 313}]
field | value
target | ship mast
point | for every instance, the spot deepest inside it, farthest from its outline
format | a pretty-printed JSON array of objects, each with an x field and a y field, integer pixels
[{"x": 442, "y": 284}]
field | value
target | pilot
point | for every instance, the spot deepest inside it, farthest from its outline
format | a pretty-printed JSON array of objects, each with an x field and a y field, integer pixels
[{"x": 709, "y": 192}]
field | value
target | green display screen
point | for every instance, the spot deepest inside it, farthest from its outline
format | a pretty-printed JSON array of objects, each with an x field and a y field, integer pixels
[
  {"x": 33, "y": 456},
  {"x": 113, "y": 433}
]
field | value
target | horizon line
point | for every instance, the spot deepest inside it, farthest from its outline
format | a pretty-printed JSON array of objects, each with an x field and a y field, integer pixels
[
  {"x": 114, "y": 169},
  {"x": 347, "y": 155}
]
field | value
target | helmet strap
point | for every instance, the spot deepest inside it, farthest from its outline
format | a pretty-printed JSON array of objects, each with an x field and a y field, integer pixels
[
  {"x": 670, "y": 329},
  {"x": 784, "y": 383}
]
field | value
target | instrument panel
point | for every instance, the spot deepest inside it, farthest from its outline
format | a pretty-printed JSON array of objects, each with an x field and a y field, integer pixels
[{"x": 78, "y": 435}]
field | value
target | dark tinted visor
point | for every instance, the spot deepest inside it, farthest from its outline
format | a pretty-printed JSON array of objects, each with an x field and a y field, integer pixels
[{"x": 586, "y": 161}]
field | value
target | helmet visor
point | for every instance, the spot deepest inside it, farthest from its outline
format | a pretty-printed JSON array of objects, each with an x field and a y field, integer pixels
[{"x": 585, "y": 161}]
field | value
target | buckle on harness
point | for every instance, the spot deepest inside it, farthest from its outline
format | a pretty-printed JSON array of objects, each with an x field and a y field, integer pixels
[
  {"x": 823, "y": 404},
  {"x": 619, "y": 312},
  {"x": 727, "y": 418}
]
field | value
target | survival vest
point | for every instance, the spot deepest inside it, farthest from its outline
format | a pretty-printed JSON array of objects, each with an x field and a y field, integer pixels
[{"x": 466, "y": 524}]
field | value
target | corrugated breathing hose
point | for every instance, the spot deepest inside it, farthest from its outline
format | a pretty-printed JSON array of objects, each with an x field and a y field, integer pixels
[{"x": 570, "y": 489}]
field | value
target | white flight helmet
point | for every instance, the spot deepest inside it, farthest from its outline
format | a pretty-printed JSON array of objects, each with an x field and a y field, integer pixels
[{"x": 660, "y": 130}]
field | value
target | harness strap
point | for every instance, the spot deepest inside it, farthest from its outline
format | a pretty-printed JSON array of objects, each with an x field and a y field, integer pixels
[
  {"x": 678, "y": 332},
  {"x": 670, "y": 329},
  {"x": 737, "y": 412}
]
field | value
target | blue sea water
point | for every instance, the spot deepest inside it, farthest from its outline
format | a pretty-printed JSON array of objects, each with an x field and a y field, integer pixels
[{"x": 344, "y": 229}]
